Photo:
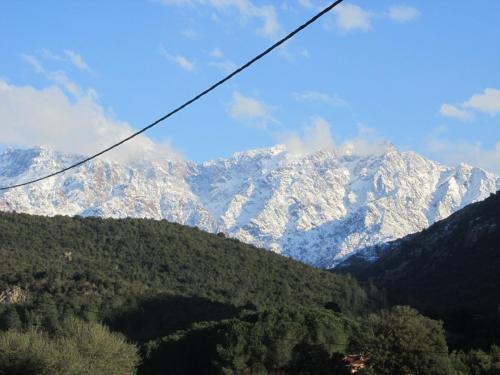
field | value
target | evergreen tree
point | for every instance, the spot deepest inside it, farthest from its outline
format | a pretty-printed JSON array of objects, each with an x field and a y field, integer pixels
[{"x": 401, "y": 341}]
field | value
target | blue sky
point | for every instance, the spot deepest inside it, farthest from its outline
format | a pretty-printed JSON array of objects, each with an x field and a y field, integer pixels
[{"x": 424, "y": 75}]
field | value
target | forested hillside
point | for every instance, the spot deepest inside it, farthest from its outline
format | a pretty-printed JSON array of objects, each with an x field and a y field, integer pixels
[
  {"x": 93, "y": 266},
  {"x": 148, "y": 279},
  {"x": 102, "y": 296},
  {"x": 450, "y": 271},
  {"x": 455, "y": 261}
]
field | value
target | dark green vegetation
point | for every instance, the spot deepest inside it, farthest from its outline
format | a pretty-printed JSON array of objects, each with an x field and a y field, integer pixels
[
  {"x": 148, "y": 280},
  {"x": 84, "y": 296},
  {"x": 454, "y": 262},
  {"x": 305, "y": 341},
  {"x": 150, "y": 277},
  {"x": 450, "y": 271},
  {"x": 84, "y": 348},
  {"x": 89, "y": 266},
  {"x": 254, "y": 343},
  {"x": 477, "y": 362}
]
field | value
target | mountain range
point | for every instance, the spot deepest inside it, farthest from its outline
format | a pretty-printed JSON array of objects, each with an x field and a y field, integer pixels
[
  {"x": 317, "y": 207},
  {"x": 454, "y": 262}
]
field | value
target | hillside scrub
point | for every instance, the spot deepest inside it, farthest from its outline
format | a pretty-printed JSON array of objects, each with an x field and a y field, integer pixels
[{"x": 83, "y": 348}]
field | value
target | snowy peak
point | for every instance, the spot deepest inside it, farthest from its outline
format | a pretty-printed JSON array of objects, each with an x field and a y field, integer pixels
[{"x": 318, "y": 207}]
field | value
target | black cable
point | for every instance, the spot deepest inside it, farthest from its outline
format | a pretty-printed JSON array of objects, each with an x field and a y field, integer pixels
[{"x": 189, "y": 102}]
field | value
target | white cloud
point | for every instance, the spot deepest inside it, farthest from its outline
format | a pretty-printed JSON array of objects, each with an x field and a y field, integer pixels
[
  {"x": 247, "y": 9},
  {"x": 49, "y": 55},
  {"x": 285, "y": 53},
  {"x": 321, "y": 97},
  {"x": 352, "y": 17},
  {"x": 47, "y": 117},
  {"x": 456, "y": 152},
  {"x": 403, "y": 13},
  {"x": 183, "y": 62},
  {"x": 58, "y": 77},
  {"x": 227, "y": 66},
  {"x": 366, "y": 143},
  {"x": 244, "y": 108},
  {"x": 180, "y": 60},
  {"x": 306, "y": 4},
  {"x": 190, "y": 33},
  {"x": 291, "y": 52},
  {"x": 449, "y": 110},
  {"x": 33, "y": 61},
  {"x": 317, "y": 136},
  {"x": 487, "y": 102},
  {"x": 67, "y": 56},
  {"x": 76, "y": 60},
  {"x": 271, "y": 26},
  {"x": 217, "y": 53}
]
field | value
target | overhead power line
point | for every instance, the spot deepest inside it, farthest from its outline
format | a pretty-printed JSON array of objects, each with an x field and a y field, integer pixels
[{"x": 189, "y": 102}]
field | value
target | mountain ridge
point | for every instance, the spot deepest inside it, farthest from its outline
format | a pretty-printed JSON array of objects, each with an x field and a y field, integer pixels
[
  {"x": 454, "y": 262},
  {"x": 318, "y": 208}
]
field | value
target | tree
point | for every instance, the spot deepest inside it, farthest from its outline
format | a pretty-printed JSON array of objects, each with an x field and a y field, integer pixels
[
  {"x": 100, "y": 351},
  {"x": 84, "y": 349},
  {"x": 401, "y": 341},
  {"x": 476, "y": 362}
]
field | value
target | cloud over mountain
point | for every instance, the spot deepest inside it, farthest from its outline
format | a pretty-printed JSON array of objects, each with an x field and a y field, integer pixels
[{"x": 31, "y": 116}]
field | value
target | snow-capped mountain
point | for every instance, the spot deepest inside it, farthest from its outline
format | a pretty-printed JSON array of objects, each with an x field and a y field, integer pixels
[{"x": 318, "y": 207}]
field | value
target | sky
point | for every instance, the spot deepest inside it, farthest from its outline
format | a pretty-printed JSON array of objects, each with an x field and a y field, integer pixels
[{"x": 424, "y": 75}]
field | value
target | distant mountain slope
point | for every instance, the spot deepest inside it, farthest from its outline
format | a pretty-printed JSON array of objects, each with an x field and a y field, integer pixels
[
  {"x": 455, "y": 262},
  {"x": 318, "y": 208},
  {"x": 90, "y": 260}
]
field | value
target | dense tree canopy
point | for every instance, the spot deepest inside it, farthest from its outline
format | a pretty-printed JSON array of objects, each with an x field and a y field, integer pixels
[
  {"x": 84, "y": 296},
  {"x": 149, "y": 279},
  {"x": 291, "y": 340},
  {"x": 401, "y": 341},
  {"x": 97, "y": 268}
]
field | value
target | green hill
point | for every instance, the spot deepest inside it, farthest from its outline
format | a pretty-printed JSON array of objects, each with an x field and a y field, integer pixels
[
  {"x": 102, "y": 296},
  {"x": 149, "y": 279},
  {"x": 97, "y": 266},
  {"x": 450, "y": 271},
  {"x": 454, "y": 262}
]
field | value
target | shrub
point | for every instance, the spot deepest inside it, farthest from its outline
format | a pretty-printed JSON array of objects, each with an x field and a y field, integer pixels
[{"x": 83, "y": 348}]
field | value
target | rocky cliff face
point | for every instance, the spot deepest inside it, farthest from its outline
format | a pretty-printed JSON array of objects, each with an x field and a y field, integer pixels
[{"x": 318, "y": 208}]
